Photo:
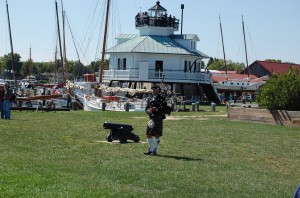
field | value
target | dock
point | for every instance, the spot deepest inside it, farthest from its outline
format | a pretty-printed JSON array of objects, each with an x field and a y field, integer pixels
[{"x": 39, "y": 109}]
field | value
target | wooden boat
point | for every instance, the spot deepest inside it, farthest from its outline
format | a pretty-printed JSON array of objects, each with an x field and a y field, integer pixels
[{"x": 39, "y": 97}]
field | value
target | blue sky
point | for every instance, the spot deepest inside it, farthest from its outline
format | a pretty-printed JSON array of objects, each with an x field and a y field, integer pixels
[{"x": 272, "y": 27}]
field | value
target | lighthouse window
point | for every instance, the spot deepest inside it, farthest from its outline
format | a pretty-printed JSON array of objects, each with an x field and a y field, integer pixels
[{"x": 185, "y": 66}]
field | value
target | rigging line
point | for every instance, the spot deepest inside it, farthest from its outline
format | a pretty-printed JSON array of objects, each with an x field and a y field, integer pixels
[
  {"x": 73, "y": 38},
  {"x": 119, "y": 27},
  {"x": 76, "y": 41},
  {"x": 239, "y": 48},
  {"x": 218, "y": 45},
  {"x": 117, "y": 14},
  {"x": 100, "y": 39},
  {"x": 51, "y": 46},
  {"x": 112, "y": 23},
  {"x": 252, "y": 44},
  {"x": 99, "y": 42},
  {"x": 88, "y": 25},
  {"x": 94, "y": 30},
  {"x": 88, "y": 34}
]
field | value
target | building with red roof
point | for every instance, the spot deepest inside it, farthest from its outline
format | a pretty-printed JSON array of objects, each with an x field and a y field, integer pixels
[
  {"x": 259, "y": 71},
  {"x": 266, "y": 68}
]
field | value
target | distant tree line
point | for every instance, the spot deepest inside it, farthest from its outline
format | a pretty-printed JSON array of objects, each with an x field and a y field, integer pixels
[
  {"x": 219, "y": 64},
  {"x": 75, "y": 68}
]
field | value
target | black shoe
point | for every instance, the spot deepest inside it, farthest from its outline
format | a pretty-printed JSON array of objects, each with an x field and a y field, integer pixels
[{"x": 148, "y": 153}]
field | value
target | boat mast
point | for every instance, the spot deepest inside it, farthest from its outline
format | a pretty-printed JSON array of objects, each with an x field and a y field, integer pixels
[
  {"x": 104, "y": 43},
  {"x": 64, "y": 39},
  {"x": 247, "y": 66},
  {"x": 225, "y": 65},
  {"x": 58, "y": 31},
  {"x": 12, "y": 49},
  {"x": 55, "y": 64},
  {"x": 30, "y": 66}
]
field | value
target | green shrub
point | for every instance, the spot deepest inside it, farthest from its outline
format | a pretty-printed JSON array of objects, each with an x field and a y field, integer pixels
[{"x": 281, "y": 92}]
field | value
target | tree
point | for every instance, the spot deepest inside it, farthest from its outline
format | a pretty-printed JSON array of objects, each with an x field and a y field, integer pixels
[
  {"x": 95, "y": 65},
  {"x": 281, "y": 92},
  {"x": 210, "y": 61},
  {"x": 218, "y": 64},
  {"x": 6, "y": 65},
  {"x": 75, "y": 68},
  {"x": 273, "y": 60}
]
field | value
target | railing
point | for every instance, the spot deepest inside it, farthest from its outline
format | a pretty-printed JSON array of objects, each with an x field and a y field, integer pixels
[
  {"x": 120, "y": 74},
  {"x": 175, "y": 76},
  {"x": 163, "y": 21}
]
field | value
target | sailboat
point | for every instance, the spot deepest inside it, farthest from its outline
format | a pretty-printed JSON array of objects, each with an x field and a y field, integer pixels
[
  {"x": 232, "y": 81},
  {"x": 42, "y": 95},
  {"x": 97, "y": 96}
]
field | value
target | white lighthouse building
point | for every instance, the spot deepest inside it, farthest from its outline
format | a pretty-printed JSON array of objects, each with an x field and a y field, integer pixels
[{"x": 157, "y": 54}]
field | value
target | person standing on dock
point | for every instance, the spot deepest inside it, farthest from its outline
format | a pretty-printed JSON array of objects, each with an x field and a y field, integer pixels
[
  {"x": 1, "y": 101},
  {"x": 6, "y": 101},
  {"x": 156, "y": 109}
]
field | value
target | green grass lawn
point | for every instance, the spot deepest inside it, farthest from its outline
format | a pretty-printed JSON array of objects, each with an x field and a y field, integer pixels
[{"x": 201, "y": 154}]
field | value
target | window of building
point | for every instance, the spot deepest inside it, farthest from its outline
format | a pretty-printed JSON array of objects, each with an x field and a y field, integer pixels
[
  {"x": 198, "y": 66},
  {"x": 185, "y": 66},
  {"x": 121, "y": 63}
]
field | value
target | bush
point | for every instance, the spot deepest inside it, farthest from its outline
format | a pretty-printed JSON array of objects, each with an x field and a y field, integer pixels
[{"x": 281, "y": 92}]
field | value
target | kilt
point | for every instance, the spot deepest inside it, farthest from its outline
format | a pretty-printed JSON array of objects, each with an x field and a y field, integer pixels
[{"x": 156, "y": 127}]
